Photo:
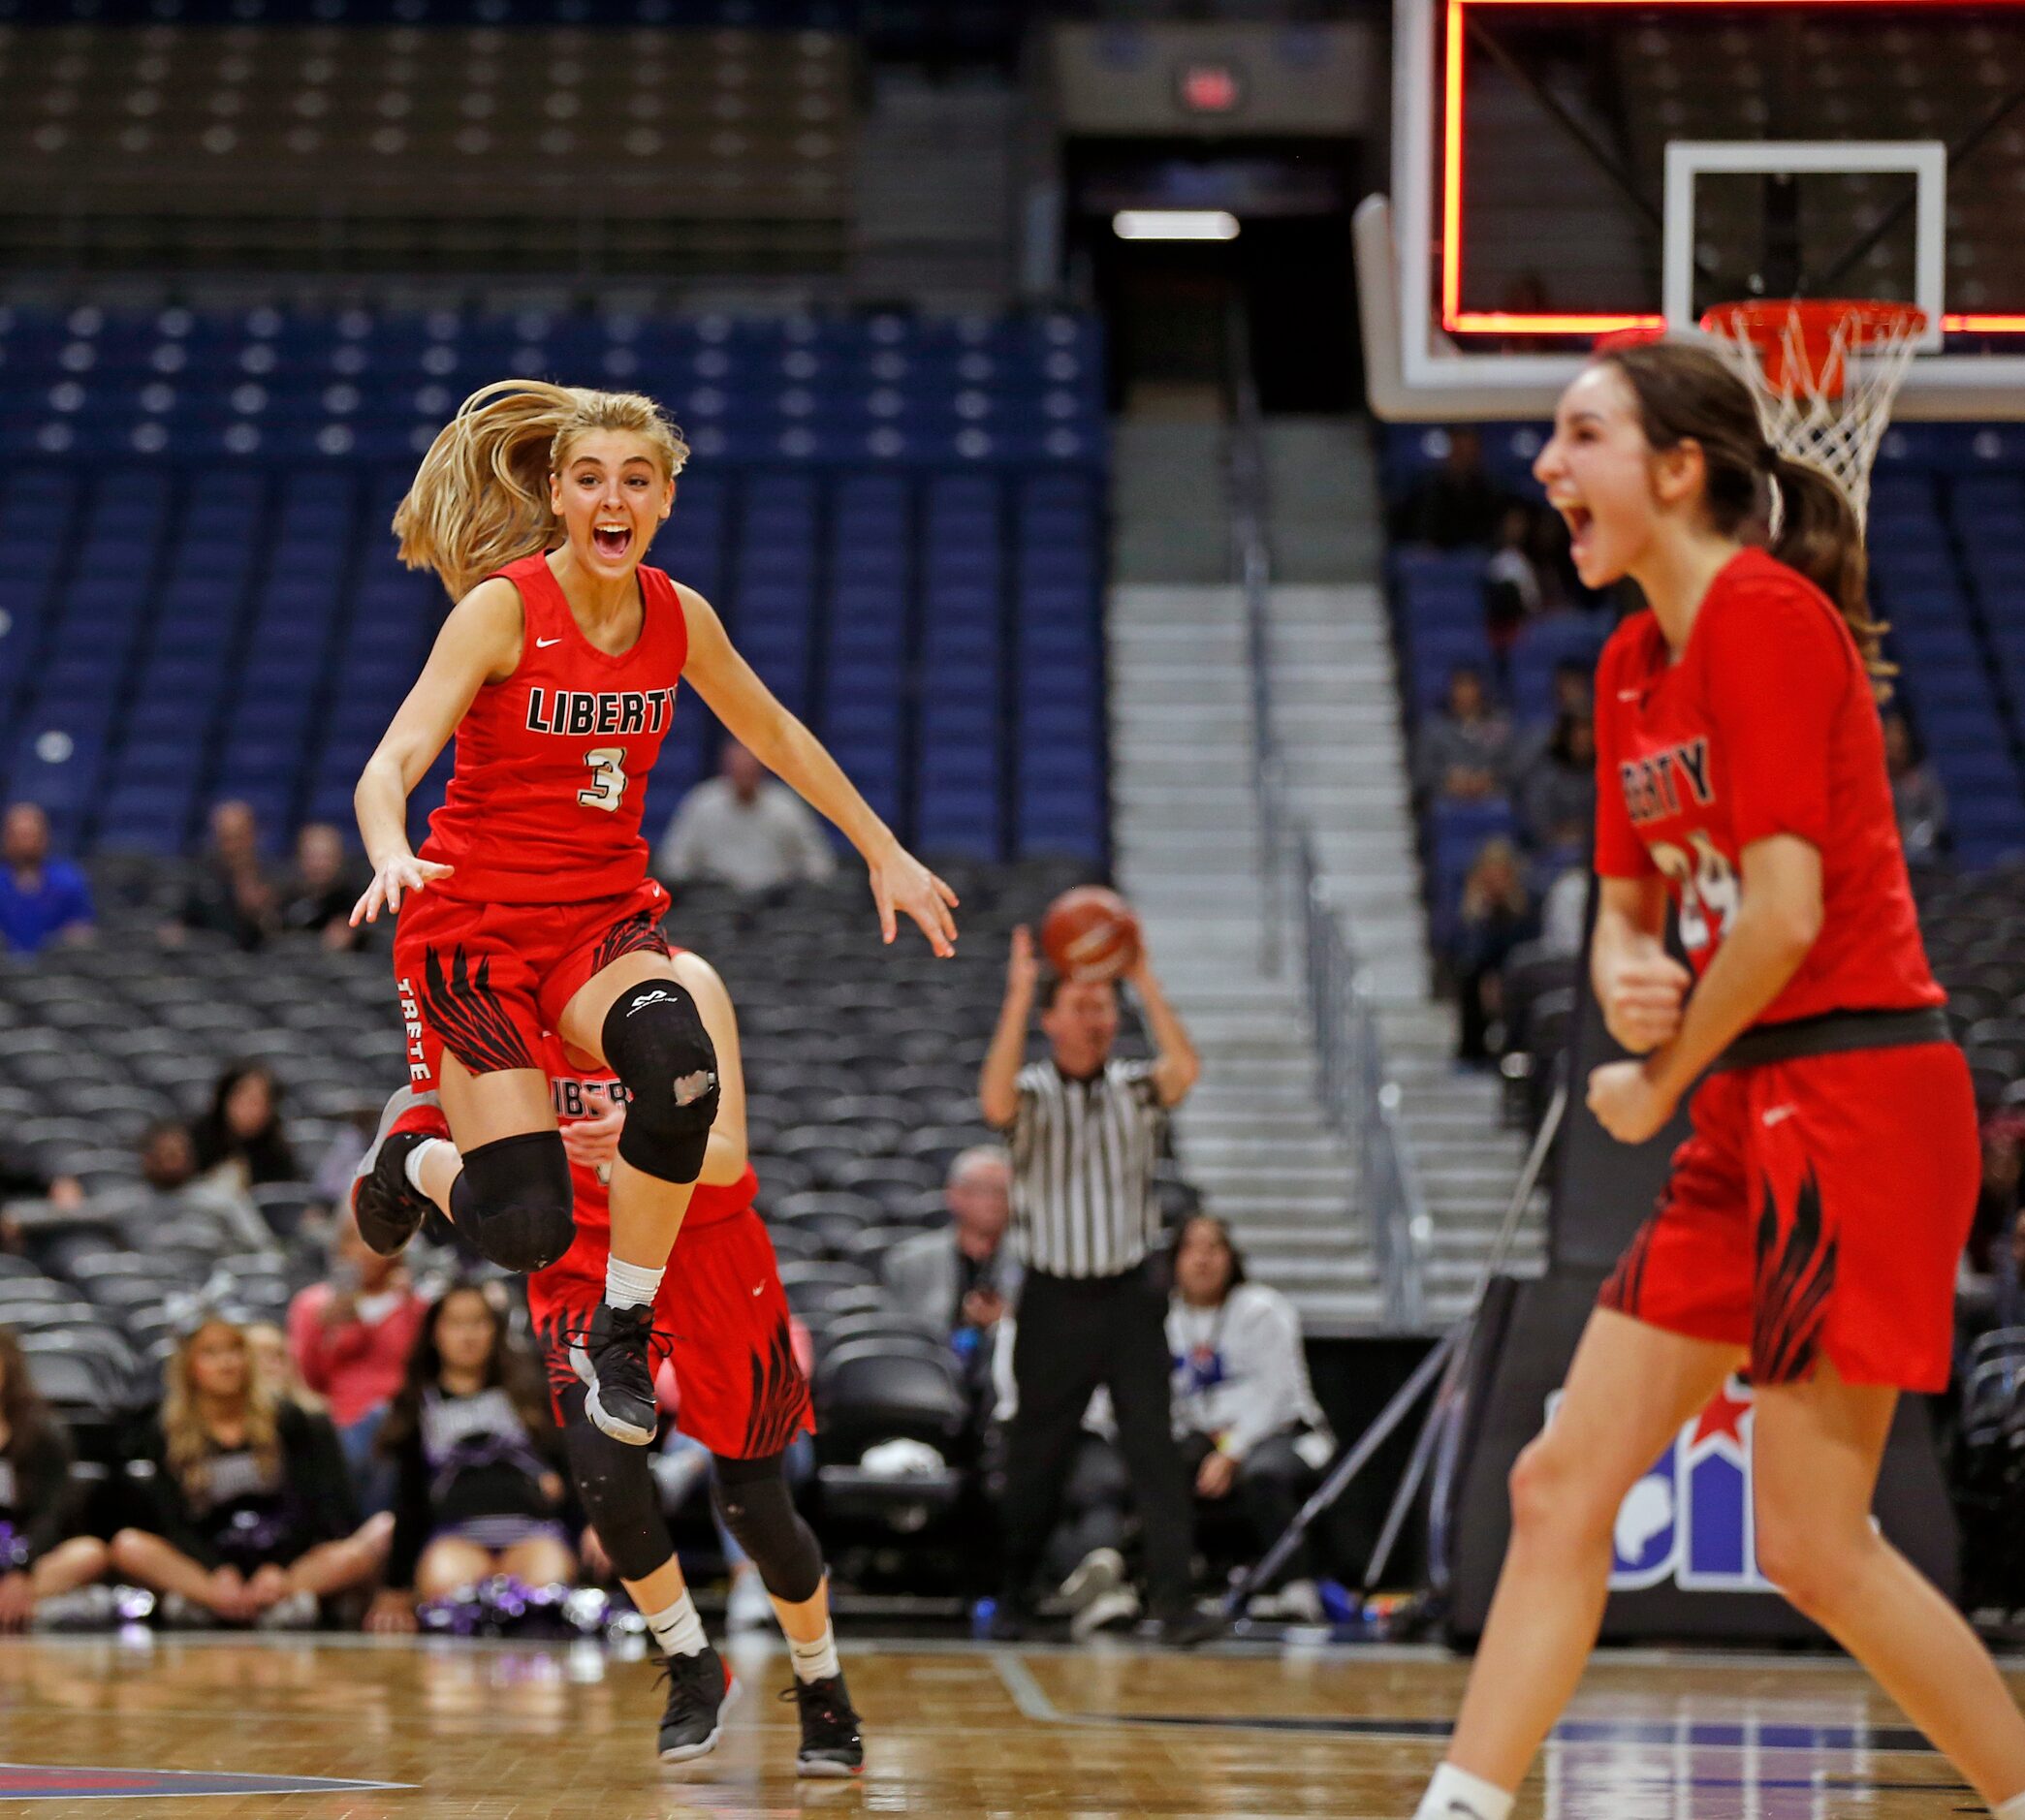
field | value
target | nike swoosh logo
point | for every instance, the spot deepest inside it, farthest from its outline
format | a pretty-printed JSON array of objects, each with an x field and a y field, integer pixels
[
  {"x": 1779, "y": 1114},
  {"x": 1622, "y": 695},
  {"x": 759, "y": 1289},
  {"x": 542, "y": 645}
]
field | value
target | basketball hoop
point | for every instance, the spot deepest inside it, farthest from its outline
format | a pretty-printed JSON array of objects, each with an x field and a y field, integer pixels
[{"x": 1824, "y": 373}]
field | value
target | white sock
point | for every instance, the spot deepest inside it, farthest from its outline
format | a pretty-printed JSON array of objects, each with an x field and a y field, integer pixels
[
  {"x": 678, "y": 1629},
  {"x": 412, "y": 1168},
  {"x": 1455, "y": 1793},
  {"x": 630, "y": 1285},
  {"x": 815, "y": 1662},
  {"x": 2014, "y": 1809}
]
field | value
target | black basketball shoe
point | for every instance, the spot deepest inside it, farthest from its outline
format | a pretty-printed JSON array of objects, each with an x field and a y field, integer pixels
[
  {"x": 611, "y": 1355},
  {"x": 829, "y": 1743},
  {"x": 388, "y": 1207},
  {"x": 701, "y": 1690}
]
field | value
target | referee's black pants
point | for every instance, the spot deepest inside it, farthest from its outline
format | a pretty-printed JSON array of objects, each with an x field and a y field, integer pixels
[{"x": 1075, "y": 1334}]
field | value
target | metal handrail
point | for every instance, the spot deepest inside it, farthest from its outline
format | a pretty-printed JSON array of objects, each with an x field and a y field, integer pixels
[{"x": 1357, "y": 1097}]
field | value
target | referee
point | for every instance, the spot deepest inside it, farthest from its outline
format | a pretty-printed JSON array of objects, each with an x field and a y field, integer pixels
[{"x": 1083, "y": 1130}]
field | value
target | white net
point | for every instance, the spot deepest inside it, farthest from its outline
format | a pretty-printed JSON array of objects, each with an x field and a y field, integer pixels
[{"x": 1825, "y": 375}]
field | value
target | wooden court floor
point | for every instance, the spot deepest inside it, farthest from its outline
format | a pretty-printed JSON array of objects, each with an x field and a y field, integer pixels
[{"x": 499, "y": 1732}]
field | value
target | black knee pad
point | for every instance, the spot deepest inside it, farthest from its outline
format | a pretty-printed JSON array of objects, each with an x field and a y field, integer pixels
[
  {"x": 616, "y": 1486},
  {"x": 513, "y": 1201},
  {"x": 657, "y": 1044},
  {"x": 753, "y": 1501}
]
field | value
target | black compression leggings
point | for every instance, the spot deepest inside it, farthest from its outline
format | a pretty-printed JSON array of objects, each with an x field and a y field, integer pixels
[{"x": 616, "y": 1483}]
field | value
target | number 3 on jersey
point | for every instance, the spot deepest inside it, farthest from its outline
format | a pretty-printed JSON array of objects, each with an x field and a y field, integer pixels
[{"x": 607, "y": 779}]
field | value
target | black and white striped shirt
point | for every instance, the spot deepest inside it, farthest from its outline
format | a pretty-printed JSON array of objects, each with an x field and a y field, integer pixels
[{"x": 1083, "y": 1155}]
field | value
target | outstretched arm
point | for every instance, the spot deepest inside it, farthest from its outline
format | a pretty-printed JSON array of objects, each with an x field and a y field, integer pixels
[
  {"x": 998, "y": 1085},
  {"x": 1175, "y": 1066},
  {"x": 479, "y": 643},
  {"x": 750, "y": 711}
]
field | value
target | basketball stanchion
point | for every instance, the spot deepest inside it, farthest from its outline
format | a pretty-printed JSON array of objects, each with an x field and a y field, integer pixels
[{"x": 1444, "y": 1361}]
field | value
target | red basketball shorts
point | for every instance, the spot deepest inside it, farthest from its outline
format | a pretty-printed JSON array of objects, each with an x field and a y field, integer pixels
[
  {"x": 485, "y": 981},
  {"x": 724, "y": 1315},
  {"x": 1818, "y": 1211}
]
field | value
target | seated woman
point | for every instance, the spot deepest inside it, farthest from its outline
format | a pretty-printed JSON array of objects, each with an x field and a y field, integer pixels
[
  {"x": 254, "y": 1521},
  {"x": 479, "y": 1463},
  {"x": 40, "y": 1557},
  {"x": 1246, "y": 1413}
]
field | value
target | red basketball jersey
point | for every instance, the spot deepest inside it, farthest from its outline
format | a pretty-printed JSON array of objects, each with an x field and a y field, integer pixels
[
  {"x": 551, "y": 763},
  {"x": 1765, "y": 725},
  {"x": 585, "y": 1090}
]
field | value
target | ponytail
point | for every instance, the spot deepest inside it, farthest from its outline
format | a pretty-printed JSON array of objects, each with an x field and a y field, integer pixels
[
  {"x": 480, "y": 499},
  {"x": 1689, "y": 392},
  {"x": 1821, "y": 536}
]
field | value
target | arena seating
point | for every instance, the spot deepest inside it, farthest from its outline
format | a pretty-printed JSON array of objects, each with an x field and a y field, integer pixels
[
  {"x": 899, "y": 520},
  {"x": 307, "y": 145},
  {"x": 861, "y": 1064}
]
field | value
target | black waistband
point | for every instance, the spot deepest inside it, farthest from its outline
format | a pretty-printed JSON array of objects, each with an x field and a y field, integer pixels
[{"x": 1834, "y": 1032}]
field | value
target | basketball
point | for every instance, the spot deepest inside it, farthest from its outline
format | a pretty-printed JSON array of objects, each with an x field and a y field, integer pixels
[{"x": 1089, "y": 933}]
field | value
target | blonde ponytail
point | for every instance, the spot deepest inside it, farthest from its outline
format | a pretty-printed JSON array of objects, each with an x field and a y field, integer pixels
[{"x": 480, "y": 499}]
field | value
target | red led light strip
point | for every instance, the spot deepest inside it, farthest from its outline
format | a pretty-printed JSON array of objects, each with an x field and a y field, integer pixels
[{"x": 1458, "y": 320}]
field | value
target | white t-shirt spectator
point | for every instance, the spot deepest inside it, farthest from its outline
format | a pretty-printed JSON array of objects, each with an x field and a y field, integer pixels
[
  {"x": 1239, "y": 1371},
  {"x": 770, "y": 840}
]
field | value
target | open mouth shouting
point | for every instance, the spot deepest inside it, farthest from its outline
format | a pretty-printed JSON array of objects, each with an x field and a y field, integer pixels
[
  {"x": 612, "y": 537},
  {"x": 1579, "y": 520}
]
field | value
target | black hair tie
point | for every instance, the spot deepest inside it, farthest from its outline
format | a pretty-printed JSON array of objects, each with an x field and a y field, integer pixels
[{"x": 1768, "y": 459}]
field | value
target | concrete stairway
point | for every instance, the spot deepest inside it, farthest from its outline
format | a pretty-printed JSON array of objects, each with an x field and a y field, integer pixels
[
  {"x": 1189, "y": 858},
  {"x": 1336, "y": 703},
  {"x": 1189, "y": 855}
]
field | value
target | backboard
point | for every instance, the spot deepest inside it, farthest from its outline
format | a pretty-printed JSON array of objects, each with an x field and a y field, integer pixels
[{"x": 1573, "y": 167}]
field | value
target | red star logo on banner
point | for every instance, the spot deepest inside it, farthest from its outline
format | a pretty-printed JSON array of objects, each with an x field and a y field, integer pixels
[{"x": 1725, "y": 1415}]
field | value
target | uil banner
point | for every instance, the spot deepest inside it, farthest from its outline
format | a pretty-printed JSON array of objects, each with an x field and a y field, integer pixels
[{"x": 1686, "y": 1561}]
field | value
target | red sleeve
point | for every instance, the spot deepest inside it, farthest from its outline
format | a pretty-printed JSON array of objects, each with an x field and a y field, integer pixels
[
  {"x": 305, "y": 1333},
  {"x": 1776, "y": 671},
  {"x": 1620, "y": 852}
]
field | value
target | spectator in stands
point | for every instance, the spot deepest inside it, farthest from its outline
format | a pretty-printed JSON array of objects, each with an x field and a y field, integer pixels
[
  {"x": 1455, "y": 504},
  {"x": 1465, "y": 749},
  {"x": 964, "y": 1276},
  {"x": 42, "y": 1555},
  {"x": 1084, "y": 1129},
  {"x": 239, "y": 1141},
  {"x": 22, "y": 1178},
  {"x": 1575, "y": 695},
  {"x": 351, "y": 1337},
  {"x": 1511, "y": 583},
  {"x": 746, "y": 829},
  {"x": 1497, "y": 914},
  {"x": 253, "y": 1519},
  {"x": 319, "y": 897},
  {"x": 1249, "y": 1425},
  {"x": 1565, "y": 911},
  {"x": 41, "y": 899},
  {"x": 274, "y": 1368},
  {"x": 1917, "y": 795},
  {"x": 168, "y": 1166},
  {"x": 232, "y": 895},
  {"x": 1558, "y": 792},
  {"x": 478, "y": 1460}
]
